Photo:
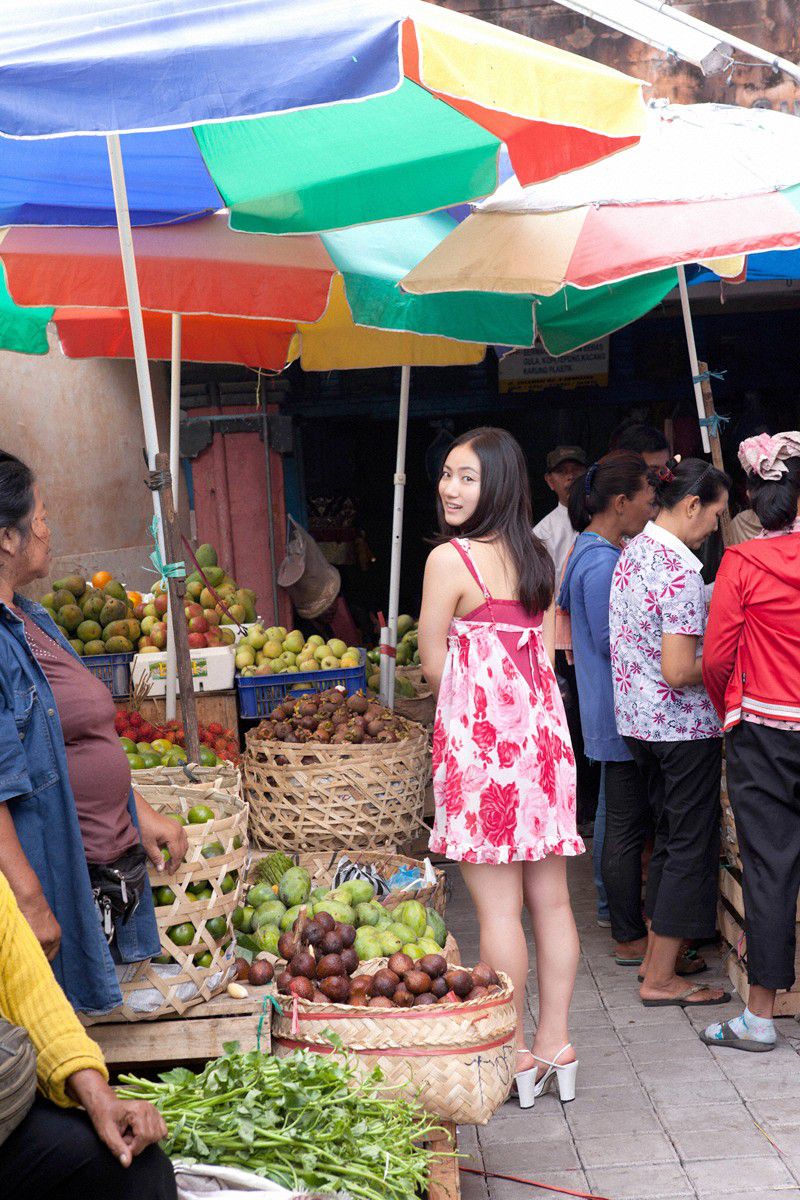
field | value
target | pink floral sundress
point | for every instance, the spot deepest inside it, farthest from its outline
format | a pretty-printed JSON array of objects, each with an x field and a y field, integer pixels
[{"x": 503, "y": 766}]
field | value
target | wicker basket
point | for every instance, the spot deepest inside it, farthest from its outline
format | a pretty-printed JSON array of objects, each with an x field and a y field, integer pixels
[
  {"x": 173, "y": 988},
  {"x": 324, "y": 798},
  {"x": 322, "y": 867},
  {"x": 223, "y": 778},
  {"x": 458, "y": 1058}
]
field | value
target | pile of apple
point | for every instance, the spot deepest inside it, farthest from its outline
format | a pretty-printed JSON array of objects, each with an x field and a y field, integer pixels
[
  {"x": 209, "y": 623},
  {"x": 276, "y": 651}
]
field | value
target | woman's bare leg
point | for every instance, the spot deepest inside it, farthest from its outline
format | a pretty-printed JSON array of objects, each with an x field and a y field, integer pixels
[
  {"x": 557, "y": 951},
  {"x": 496, "y": 892}
]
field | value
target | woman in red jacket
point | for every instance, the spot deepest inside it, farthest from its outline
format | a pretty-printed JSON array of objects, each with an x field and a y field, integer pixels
[{"x": 751, "y": 669}]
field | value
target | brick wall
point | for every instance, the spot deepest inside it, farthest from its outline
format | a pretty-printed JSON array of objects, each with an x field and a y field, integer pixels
[{"x": 772, "y": 24}]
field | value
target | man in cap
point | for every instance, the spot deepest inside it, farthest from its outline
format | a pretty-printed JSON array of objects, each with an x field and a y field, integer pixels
[{"x": 564, "y": 465}]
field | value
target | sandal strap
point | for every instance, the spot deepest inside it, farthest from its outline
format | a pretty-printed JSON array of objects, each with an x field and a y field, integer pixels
[{"x": 555, "y": 1063}]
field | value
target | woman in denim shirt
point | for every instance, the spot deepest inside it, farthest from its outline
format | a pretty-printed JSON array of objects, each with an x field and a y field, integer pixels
[{"x": 43, "y": 843}]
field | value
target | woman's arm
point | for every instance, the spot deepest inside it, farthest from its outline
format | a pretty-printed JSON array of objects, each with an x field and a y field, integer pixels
[
  {"x": 441, "y": 592},
  {"x": 157, "y": 831},
  {"x": 680, "y": 665},
  {"x": 549, "y": 633},
  {"x": 26, "y": 887},
  {"x": 723, "y": 632}
]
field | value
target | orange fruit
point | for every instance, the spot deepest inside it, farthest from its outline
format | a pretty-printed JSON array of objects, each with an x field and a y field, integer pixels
[
  {"x": 135, "y": 597},
  {"x": 101, "y": 578}
]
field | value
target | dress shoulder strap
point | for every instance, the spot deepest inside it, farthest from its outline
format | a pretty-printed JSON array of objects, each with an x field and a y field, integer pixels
[{"x": 462, "y": 546}]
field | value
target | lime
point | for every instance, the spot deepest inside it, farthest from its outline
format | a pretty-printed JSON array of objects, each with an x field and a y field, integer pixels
[
  {"x": 242, "y": 916},
  {"x": 207, "y": 757},
  {"x": 162, "y": 746},
  {"x": 212, "y": 849},
  {"x": 135, "y": 762},
  {"x": 164, "y": 959},
  {"x": 127, "y": 745},
  {"x": 144, "y": 747},
  {"x": 175, "y": 759},
  {"x": 206, "y": 894},
  {"x": 203, "y": 960},
  {"x": 150, "y": 759},
  {"x": 197, "y": 886},
  {"x": 183, "y": 934},
  {"x": 217, "y": 927},
  {"x": 163, "y": 895},
  {"x": 237, "y": 842},
  {"x": 228, "y": 884},
  {"x": 200, "y": 814},
  {"x": 179, "y": 817}
]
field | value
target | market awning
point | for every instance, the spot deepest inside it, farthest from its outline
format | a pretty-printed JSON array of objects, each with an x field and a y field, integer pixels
[{"x": 406, "y": 107}]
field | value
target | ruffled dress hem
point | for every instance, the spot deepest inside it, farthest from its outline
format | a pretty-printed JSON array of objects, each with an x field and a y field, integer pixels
[{"x": 568, "y": 847}]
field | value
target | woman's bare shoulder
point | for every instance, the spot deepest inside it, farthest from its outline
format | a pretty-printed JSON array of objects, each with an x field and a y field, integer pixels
[{"x": 443, "y": 557}]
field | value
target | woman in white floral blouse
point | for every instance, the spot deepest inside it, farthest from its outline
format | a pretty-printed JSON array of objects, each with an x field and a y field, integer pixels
[{"x": 657, "y": 620}]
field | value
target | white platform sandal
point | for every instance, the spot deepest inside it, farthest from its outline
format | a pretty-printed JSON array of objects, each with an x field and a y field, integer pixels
[
  {"x": 525, "y": 1085},
  {"x": 565, "y": 1076}
]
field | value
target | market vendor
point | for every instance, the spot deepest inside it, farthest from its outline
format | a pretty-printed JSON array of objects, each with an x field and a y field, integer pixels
[
  {"x": 67, "y": 809},
  {"x": 56, "y": 1151}
]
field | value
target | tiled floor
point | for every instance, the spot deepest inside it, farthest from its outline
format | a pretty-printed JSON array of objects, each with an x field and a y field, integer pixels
[{"x": 658, "y": 1114}]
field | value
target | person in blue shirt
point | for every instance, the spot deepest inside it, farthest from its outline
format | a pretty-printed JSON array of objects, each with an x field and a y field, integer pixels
[
  {"x": 608, "y": 504},
  {"x": 56, "y": 739}
]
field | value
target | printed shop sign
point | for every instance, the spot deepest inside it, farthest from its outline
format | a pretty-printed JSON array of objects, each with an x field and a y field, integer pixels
[{"x": 533, "y": 369}]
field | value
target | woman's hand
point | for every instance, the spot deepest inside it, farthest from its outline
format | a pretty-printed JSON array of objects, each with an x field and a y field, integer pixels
[
  {"x": 127, "y": 1127},
  {"x": 159, "y": 833},
  {"x": 39, "y": 915}
]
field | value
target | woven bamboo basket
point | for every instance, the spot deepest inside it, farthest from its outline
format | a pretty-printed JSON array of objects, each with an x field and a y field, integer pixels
[
  {"x": 170, "y": 989},
  {"x": 322, "y": 868},
  {"x": 308, "y": 796},
  {"x": 224, "y": 778},
  {"x": 457, "y": 1058}
]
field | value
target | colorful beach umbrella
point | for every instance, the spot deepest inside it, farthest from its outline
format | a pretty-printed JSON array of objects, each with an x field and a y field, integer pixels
[
  {"x": 705, "y": 181},
  {"x": 330, "y": 115}
]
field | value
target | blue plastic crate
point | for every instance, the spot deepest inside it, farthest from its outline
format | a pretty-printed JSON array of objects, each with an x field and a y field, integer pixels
[
  {"x": 259, "y": 694},
  {"x": 114, "y": 670}
]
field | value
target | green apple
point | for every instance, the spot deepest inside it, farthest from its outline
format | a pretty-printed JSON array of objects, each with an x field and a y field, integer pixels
[
  {"x": 257, "y": 637},
  {"x": 293, "y": 642},
  {"x": 337, "y": 647}
]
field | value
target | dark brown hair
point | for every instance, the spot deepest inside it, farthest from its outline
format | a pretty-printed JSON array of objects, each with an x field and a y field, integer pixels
[
  {"x": 17, "y": 500},
  {"x": 620, "y": 473},
  {"x": 775, "y": 500},
  {"x": 690, "y": 477},
  {"x": 503, "y": 513}
]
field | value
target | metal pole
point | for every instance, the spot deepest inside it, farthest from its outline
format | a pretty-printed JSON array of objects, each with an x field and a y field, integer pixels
[
  {"x": 388, "y": 674},
  {"x": 273, "y": 564},
  {"x": 171, "y": 703},
  {"x": 689, "y": 328}
]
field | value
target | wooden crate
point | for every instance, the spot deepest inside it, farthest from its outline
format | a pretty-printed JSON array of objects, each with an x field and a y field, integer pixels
[
  {"x": 199, "y": 1034},
  {"x": 211, "y": 706},
  {"x": 444, "y": 1180},
  {"x": 730, "y": 886},
  {"x": 787, "y": 1004}
]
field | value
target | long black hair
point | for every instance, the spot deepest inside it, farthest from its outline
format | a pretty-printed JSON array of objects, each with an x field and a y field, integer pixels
[
  {"x": 17, "y": 500},
  {"x": 775, "y": 500},
  {"x": 503, "y": 513},
  {"x": 690, "y": 477},
  {"x": 620, "y": 473}
]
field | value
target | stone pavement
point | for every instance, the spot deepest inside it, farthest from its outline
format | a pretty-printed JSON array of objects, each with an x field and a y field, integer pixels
[{"x": 657, "y": 1114}]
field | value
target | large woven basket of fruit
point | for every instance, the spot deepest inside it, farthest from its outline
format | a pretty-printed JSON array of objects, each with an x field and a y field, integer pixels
[
  {"x": 194, "y": 907},
  {"x": 445, "y": 1033},
  {"x": 331, "y": 771},
  {"x": 269, "y": 910},
  {"x": 156, "y": 753}
]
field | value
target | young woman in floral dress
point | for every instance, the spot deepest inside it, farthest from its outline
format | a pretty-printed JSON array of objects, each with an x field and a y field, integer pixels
[{"x": 504, "y": 771}]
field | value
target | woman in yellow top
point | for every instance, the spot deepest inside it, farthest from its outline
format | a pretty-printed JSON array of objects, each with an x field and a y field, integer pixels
[{"x": 108, "y": 1151}]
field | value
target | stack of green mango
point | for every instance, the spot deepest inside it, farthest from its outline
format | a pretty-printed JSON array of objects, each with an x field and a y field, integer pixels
[
  {"x": 407, "y": 656},
  {"x": 95, "y": 620},
  {"x": 380, "y": 932}
]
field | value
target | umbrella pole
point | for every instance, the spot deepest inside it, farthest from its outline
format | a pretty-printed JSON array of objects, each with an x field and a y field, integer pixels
[
  {"x": 689, "y": 329},
  {"x": 389, "y": 644},
  {"x": 174, "y": 468},
  {"x": 145, "y": 389}
]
